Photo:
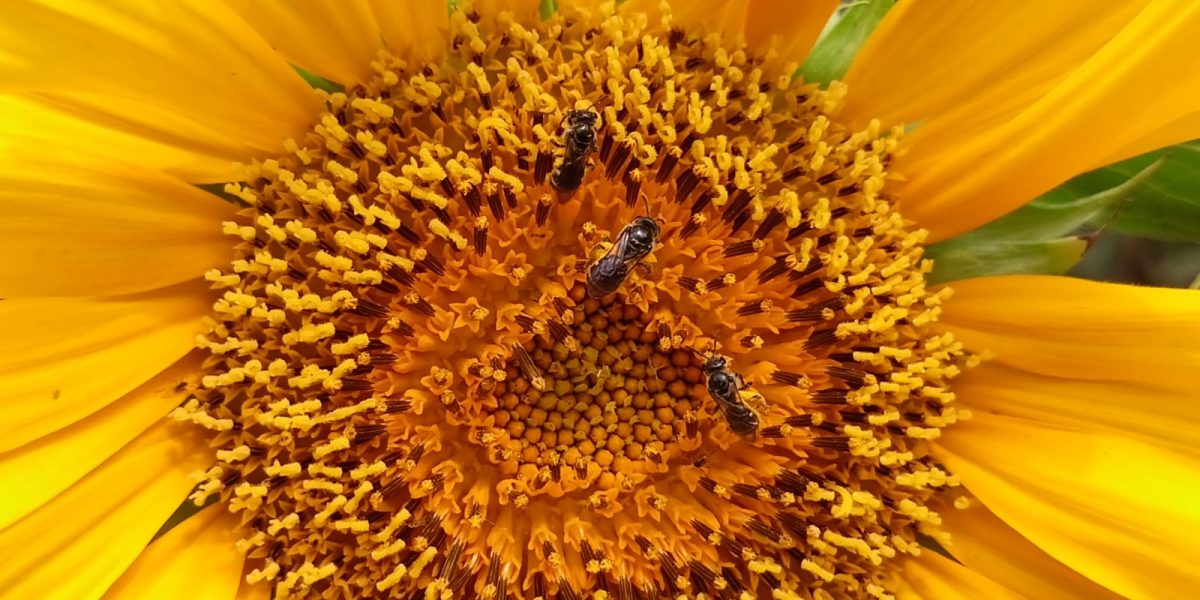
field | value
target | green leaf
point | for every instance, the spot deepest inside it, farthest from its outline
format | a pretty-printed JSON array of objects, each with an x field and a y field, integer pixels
[
  {"x": 218, "y": 190},
  {"x": 317, "y": 82},
  {"x": 547, "y": 8},
  {"x": 1155, "y": 195},
  {"x": 1167, "y": 205},
  {"x": 841, "y": 40},
  {"x": 935, "y": 545},
  {"x": 1068, "y": 209},
  {"x": 952, "y": 262},
  {"x": 1046, "y": 236},
  {"x": 184, "y": 512}
]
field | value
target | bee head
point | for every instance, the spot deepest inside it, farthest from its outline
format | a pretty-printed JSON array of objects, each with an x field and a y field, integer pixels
[
  {"x": 585, "y": 117},
  {"x": 645, "y": 229},
  {"x": 582, "y": 137},
  {"x": 714, "y": 363}
]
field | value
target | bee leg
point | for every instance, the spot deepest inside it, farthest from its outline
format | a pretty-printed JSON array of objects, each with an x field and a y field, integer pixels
[
  {"x": 598, "y": 251},
  {"x": 643, "y": 269},
  {"x": 756, "y": 401},
  {"x": 713, "y": 409},
  {"x": 741, "y": 382}
]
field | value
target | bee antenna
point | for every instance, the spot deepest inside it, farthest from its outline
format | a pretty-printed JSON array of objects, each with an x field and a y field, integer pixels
[
  {"x": 646, "y": 201},
  {"x": 711, "y": 349}
]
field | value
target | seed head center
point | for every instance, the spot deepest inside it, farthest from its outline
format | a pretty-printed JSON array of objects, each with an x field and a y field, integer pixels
[{"x": 606, "y": 405}]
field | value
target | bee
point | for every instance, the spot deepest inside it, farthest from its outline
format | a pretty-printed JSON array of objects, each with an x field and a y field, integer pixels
[
  {"x": 634, "y": 243},
  {"x": 580, "y": 140},
  {"x": 725, "y": 387}
]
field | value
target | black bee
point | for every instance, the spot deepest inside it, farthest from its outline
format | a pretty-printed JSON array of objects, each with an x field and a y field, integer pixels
[
  {"x": 633, "y": 244},
  {"x": 725, "y": 386},
  {"x": 580, "y": 140}
]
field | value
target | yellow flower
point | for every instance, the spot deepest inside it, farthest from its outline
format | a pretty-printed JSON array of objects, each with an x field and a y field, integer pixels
[{"x": 386, "y": 367}]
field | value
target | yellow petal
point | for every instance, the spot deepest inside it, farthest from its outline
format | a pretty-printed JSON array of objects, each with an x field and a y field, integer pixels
[
  {"x": 413, "y": 30},
  {"x": 960, "y": 177},
  {"x": 78, "y": 544},
  {"x": 1134, "y": 409},
  {"x": 189, "y": 73},
  {"x": 1083, "y": 330},
  {"x": 927, "y": 60},
  {"x": 40, "y": 129},
  {"x": 696, "y": 16},
  {"x": 524, "y": 10},
  {"x": 102, "y": 229},
  {"x": 253, "y": 591},
  {"x": 45, "y": 467},
  {"x": 203, "y": 154},
  {"x": 336, "y": 39},
  {"x": 1166, "y": 135},
  {"x": 196, "y": 558},
  {"x": 933, "y": 577},
  {"x": 793, "y": 25},
  {"x": 64, "y": 359},
  {"x": 1080, "y": 371},
  {"x": 988, "y": 546},
  {"x": 1119, "y": 511}
]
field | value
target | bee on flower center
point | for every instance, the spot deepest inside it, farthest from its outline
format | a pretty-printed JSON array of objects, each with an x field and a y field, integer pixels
[
  {"x": 580, "y": 141},
  {"x": 634, "y": 243},
  {"x": 725, "y": 387}
]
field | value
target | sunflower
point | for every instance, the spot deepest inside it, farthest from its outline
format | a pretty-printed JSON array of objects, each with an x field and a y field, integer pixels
[{"x": 338, "y": 273}]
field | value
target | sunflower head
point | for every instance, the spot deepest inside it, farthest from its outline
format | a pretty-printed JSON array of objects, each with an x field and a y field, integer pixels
[{"x": 423, "y": 380}]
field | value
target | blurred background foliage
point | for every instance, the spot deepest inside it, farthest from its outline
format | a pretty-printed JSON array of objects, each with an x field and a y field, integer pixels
[
  {"x": 1128, "y": 259},
  {"x": 1155, "y": 234}
]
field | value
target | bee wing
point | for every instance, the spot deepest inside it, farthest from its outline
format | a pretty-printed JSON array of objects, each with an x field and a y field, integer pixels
[
  {"x": 612, "y": 266},
  {"x": 623, "y": 249},
  {"x": 735, "y": 395},
  {"x": 616, "y": 259},
  {"x": 620, "y": 248},
  {"x": 742, "y": 419}
]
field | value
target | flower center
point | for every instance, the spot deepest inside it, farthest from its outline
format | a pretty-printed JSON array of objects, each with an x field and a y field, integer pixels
[
  {"x": 594, "y": 307},
  {"x": 593, "y": 403}
]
